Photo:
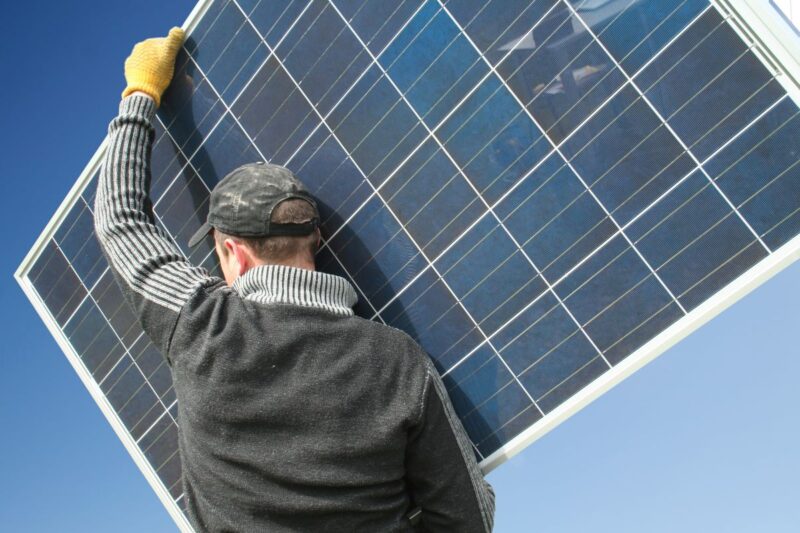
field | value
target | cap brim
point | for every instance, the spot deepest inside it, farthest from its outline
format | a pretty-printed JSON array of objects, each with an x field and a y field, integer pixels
[{"x": 200, "y": 234}]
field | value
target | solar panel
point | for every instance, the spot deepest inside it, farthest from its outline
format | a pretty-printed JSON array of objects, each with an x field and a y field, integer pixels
[{"x": 545, "y": 194}]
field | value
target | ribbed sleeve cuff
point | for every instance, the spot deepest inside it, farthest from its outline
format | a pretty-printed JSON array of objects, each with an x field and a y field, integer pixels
[{"x": 139, "y": 106}]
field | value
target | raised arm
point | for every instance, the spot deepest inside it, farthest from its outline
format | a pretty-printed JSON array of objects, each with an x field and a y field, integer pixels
[
  {"x": 443, "y": 476},
  {"x": 152, "y": 271}
]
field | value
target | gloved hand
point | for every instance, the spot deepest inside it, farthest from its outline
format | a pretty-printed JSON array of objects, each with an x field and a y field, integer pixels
[{"x": 151, "y": 64}]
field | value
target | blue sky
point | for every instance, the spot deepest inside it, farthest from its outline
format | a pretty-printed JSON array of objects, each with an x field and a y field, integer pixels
[{"x": 706, "y": 438}]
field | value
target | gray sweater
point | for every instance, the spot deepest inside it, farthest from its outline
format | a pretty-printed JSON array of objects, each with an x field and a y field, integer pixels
[{"x": 295, "y": 415}]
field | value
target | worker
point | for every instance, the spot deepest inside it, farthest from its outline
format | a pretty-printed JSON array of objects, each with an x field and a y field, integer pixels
[{"x": 294, "y": 414}]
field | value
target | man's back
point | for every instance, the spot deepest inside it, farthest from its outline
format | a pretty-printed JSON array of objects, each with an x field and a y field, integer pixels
[{"x": 294, "y": 415}]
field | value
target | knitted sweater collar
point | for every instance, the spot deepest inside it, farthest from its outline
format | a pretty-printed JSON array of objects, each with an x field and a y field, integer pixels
[{"x": 270, "y": 284}]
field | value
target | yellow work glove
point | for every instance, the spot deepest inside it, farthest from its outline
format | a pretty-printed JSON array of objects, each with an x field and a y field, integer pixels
[{"x": 151, "y": 64}]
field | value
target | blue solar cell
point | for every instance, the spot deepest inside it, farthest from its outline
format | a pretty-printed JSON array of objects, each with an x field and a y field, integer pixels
[
  {"x": 193, "y": 121},
  {"x": 432, "y": 199},
  {"x": 476, "y": 380},
  {"x": 57, "y": 284},
  {"x": 377, "y": 23},
  {"x": 323, "y": 55},
  {"x": 146, "y": 356},
  {"x": 486, "y": 423},
  {"x": 377, "y": 253},
  {"x": 759, "y": 173},
  {"x": 618, "y": 300},
  {"x": 89, "y": 192},
  {"x": 109, "y": 298},
  {"x": 429, "y": 312},
  {"x": 490, "y": 275},
  {"x": 627, "y": 156},
  {"x": 230, "y": 52},
  {"x": 375, "y": 126},
  {"x": 561, "y": 75},
  {"x": 635, "y": 32},
  {"x": 154, "y": 432},
  {"x": 492, "y": 140},
  {"x": 695, "y": 241},
  {"x": 332, "y": 177},
  {"x": 271, "y": 19},
  {"x": 554, "y": 218},
  {"x": 226, "y": 148},
  {"x": 183, "y": 209},
  {"x": 275, "y": 113},
  {"x": 163, "y": 448},
  {"x": 498, "y": 25},
  {"x": 433, "y": 64},
  {"x": 77, "y": 242},
  {"x": 93, "y": 339}
]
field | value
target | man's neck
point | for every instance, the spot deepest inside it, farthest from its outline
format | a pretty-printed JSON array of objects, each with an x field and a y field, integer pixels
[{"x": 305, "y": 264}]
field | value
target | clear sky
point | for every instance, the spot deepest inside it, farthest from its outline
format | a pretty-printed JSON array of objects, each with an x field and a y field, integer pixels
[{"x": 705, "y": 439}]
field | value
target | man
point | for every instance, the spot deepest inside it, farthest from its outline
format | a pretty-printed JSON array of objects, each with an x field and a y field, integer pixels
[{"x": 295, "y": 415}]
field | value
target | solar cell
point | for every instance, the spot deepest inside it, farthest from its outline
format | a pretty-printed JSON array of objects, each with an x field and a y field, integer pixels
[{"x": 545, "y": 194}]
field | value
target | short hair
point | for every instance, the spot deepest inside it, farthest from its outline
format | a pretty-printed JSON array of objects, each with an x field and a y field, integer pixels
[{"x": 280, "y": 248}]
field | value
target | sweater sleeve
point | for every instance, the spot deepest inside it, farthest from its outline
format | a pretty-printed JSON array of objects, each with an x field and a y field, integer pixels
[
  {"x": 153, "y": 273},
  {"x": 443, "y": 475}
]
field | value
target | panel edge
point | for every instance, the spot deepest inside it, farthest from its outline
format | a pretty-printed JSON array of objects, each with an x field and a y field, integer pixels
[{"x": 730, "y": 294}]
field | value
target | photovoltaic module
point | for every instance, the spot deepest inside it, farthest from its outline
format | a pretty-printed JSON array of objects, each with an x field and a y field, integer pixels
[{"x": 545, "y": 194}]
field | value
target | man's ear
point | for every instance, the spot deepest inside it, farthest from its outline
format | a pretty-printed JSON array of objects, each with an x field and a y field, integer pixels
[{"x": 240, "y": 254}]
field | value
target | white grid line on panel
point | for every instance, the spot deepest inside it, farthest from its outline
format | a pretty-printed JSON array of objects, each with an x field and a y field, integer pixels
[
  {"x": 110, "y": 370},
  {"x": 348, "y": 90},
  {"x": 165, "y": 461},
  {"x": 644, "y": 66},
  {"x": 119, "y": 339},
  {"x": 389, "y": 210},
  {"x": 744, "y": 130},
  {"x": 632, "y": 221},
  {"x": 352, "y": 86},
  {"x": 341, "y": 99},
  {"x": 452, "y": 111},
  {"x": 100, "y": 398},
  {"x": 177, "y": 482},
  {"x": 321, "y": 54},
  {"x": 762, "y": 141},
  {"x": 88, "y": 296},
  {"x": 580, "y": 178},
  {"x": 416, "y": 149},
  {"x": 476, "y": 87},
  {"x": 155, "y": 409},
  {"x": 279, "y": 17},
  {"x": 488, "y": 207},
  {"x": 255, "y": 147},
  {"x": 672, "y": 131},
  {"x": 770, "y": 182},
  {"x": 552, "y": 151},
  {"x": 157, "y": 420},
  {"x": 243, "y": 64}
]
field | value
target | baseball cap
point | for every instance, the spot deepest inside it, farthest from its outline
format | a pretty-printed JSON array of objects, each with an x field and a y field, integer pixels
[{"x": 242, "y": 203}]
